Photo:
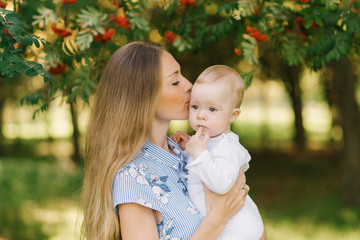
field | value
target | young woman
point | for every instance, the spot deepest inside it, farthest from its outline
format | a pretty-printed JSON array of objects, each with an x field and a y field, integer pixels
[{"x": 134, "y": 184}]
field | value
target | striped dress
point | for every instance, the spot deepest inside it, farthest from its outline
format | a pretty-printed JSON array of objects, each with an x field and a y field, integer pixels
[{"x": 156, "y": 179}]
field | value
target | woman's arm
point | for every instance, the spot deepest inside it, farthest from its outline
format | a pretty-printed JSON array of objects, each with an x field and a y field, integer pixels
[{"x": 137, "y": 222}]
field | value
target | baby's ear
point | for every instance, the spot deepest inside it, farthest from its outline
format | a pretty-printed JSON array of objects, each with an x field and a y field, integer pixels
[{"x": 235, "y": 114}]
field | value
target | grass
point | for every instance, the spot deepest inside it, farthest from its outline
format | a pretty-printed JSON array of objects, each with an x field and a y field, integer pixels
[
  {"x": 35, "y": 192},
  {"x": 298, "y": 196}
]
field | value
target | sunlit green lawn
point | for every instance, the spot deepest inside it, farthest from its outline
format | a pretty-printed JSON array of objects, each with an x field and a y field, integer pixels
[{"x": 297, "y": 197}]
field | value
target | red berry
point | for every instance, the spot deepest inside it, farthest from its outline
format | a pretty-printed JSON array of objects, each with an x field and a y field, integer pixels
[
  {"x": 3, "y": 5},
  {"x": 106, "y": 37},
  {"x": 122, "y": 22},
  {"x": 237, "y": 51},
  {"x": 69, "y": 1},
  {"x": 62, "y": 32},
  {"x": 58, "y": 69},
  {"x": 170, "y": 36}
]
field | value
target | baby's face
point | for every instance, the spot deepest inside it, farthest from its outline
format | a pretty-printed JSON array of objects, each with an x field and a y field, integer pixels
[{"x": 211, "y": 108}]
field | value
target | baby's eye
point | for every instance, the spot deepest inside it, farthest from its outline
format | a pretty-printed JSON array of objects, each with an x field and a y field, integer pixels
[
  {"x": 194, "y": 107},
  {"x": 212, "y": 109}
]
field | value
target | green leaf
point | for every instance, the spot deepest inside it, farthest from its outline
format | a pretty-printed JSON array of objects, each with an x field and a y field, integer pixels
[
  {"x": 92, "y": 18},
  {"x": 15, "y": 30},
  {"x": 332, "y": 4},
  {"x": 31, "y": 72},
  {"x": 14, "y": 19},
  {"x": 292, "y": 49},
  {"x": 45, "y": 16},
  {"x": 84, "y": 39},
  {"x": 247, "y": 77},
  {"x": 21, "y": 67},
  {"x": 247, "y": 7},
  {"x": 36, "y": 42},
  {"x": 139, "y": 22},
  {"x": 249, "y": 50}
]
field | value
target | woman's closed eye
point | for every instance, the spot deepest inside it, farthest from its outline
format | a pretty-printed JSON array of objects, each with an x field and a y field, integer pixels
[{"x": 175, "y": 83}]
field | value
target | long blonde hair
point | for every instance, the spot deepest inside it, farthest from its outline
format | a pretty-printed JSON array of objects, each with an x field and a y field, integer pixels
[{"x": 121, "y": 120}]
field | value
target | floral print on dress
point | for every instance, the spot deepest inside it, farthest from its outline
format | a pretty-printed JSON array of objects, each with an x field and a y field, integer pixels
[
  {"x": 139, "y": 173},
  {"x": 156, "y": 179},
  {"x": 144, "y": 177},
  {"x": 183, "y": 187},
  {"x": 192, "y": 209},
  {"x": 142, "y": 201},
  {"x": 165, "y": 229},
  {"x": 161, "y": 194}
]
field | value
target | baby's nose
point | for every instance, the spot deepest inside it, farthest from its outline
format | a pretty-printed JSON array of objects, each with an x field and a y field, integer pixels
[{"x": 201, "y": 116}]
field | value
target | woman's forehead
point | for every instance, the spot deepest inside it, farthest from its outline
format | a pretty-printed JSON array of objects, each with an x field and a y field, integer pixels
[{"x": 168, "y": 64}]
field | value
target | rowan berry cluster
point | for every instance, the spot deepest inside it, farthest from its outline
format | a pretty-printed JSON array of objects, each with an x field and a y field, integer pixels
[
  {"x": 69, "y": 1},
  {"x": 58, "y": 69},
  {"x": 106, "y": 37},
  {"x": 62, "y": 32},
  {"x": 121, "y": 21},
  {"x": 187, "y": 2},
  {"x": 170, "y": 36},
  {"x": 256, "y": 34},
  {"x": 304, "y": 1},
  {"x": 3, "y": 5}
]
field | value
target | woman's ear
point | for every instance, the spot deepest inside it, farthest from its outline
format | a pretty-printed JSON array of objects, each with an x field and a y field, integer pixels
[{"x": 235, "y": 114}]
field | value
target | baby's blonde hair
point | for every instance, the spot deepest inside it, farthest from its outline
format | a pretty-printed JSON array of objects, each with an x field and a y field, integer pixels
[{"x": 227, "y": 75}]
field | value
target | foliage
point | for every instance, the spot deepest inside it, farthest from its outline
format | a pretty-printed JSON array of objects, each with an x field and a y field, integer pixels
[
  {"x": 83, "y": 34},
  {"x": 14, "y": 41}
]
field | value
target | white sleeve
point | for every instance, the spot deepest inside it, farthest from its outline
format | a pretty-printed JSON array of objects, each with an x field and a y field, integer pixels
[{"x": 219, "y": 168}]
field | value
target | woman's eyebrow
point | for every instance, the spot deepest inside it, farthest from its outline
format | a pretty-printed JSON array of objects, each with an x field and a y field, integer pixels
[{"x": 176, "y": 72}]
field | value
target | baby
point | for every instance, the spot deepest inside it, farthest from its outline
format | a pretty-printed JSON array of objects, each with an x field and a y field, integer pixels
[{"x": 215, "y": 154}]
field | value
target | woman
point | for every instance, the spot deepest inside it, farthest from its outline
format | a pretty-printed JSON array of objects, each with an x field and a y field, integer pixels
[{"x": 134, "y": 177}]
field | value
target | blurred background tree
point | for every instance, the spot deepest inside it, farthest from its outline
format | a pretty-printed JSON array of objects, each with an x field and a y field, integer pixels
[{"x": 73, "y": 39}]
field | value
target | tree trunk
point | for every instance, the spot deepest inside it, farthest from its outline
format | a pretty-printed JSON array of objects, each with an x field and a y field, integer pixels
[
  {"x": 291, "y": 76},
  {"x": 74, "y": 116},
  {"x": 2, "y": 104},
  {"x": 344, "y": 79}
]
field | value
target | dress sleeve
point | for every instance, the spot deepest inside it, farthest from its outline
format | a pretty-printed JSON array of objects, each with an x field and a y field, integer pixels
[
  {"x": 219, "y": 168},
  {"x": 131, "y": 186}
]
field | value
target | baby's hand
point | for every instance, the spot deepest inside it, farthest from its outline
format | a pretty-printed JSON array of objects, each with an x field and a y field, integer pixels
[
  {"x": 181, "y": 138},
  {"x": 197, "y": 144}
]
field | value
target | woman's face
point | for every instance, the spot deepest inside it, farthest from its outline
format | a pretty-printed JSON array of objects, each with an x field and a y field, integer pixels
[{"x": 175, "y": 90}]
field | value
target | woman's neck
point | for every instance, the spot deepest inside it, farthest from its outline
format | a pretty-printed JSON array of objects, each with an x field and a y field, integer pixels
[{"x": 158, "y": 134}]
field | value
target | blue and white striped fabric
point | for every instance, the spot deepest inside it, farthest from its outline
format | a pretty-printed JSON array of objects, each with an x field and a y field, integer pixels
[{"x": 156, "y": 179}]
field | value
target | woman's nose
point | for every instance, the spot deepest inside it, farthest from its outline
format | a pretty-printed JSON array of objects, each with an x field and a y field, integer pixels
[{"x": 188, "y": 85}]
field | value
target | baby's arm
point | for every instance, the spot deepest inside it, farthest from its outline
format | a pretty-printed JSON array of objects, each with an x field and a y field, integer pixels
[
  {"x": 220, "y": 168},
  {"x": 181, "y": 138}
]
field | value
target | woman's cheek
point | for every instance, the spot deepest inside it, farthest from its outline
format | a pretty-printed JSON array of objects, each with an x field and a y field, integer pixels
[{"x": 173, "y": 101}]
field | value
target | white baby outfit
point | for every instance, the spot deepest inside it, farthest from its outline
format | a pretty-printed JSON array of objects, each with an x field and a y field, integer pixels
[{"x": 218, "y": 167}]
